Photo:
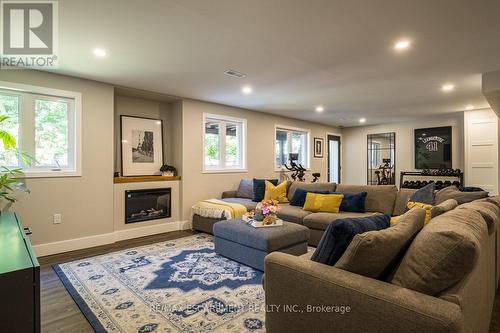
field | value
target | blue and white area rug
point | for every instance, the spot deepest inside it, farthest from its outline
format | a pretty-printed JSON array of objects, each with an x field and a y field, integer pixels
[{"x": 173, "y": 286}]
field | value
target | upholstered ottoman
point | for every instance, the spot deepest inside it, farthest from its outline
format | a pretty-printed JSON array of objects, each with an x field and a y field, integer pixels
[{"x": 237, "y": 240}]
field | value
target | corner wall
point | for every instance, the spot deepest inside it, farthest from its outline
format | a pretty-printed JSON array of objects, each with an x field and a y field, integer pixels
[
  {"x": 355, "y": 146},
  {"x": 260, "y": 150}
]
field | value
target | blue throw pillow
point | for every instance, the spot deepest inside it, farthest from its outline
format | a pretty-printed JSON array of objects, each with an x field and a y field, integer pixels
[
  {"x": 339, "y": 234},
  {"x": 299, "y": 197},
  {"x": 353, "y": 202},
  {"x": 259, "y": 188}
]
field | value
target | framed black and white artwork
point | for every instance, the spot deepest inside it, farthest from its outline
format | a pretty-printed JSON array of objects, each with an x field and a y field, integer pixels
[
  {"x": 433, "y": 148},
  {"x": 318, "y": 147},
  {"x": 142, "y": 146}
]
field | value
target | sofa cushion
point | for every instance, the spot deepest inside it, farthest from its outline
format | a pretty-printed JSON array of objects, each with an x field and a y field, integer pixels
[
  {"x": 339, "y": 235},
  {"x": 488, "y": 210},
  {"x": 443, "y": 207},
  {"x": 321, "y": 221},
  {"x": 353, "y": 202},
  {"x": 259, "y": 188},
  {"x": 299, "y": 197},
  {"x": 451, "y": 192},
  {"x": 245, "y": 189},
  {"x": 292, "y": 214},
  {"x": 373, "y": 253},
  {"x": 248, "y": 203},
  {"x": 443, "y": 253},
  {"x": 379, "y": 198},
  {"x": 401, "y": 200},
  {"x": 330, "y": 187}
]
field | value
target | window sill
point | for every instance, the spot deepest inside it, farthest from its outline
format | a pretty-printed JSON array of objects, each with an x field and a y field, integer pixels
[
  {"x": 49, "y": 174},
  {"x": 206, "y": 171}
]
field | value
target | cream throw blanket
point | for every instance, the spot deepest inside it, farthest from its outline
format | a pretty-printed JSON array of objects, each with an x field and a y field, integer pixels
[{"x": 219, "y": 209}]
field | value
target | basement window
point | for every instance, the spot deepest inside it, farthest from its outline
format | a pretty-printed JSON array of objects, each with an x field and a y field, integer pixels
[
  {"x": 224, "y": 141},
  {"x": 291, "y": 140},
  {"x": 46, "y": 125}
]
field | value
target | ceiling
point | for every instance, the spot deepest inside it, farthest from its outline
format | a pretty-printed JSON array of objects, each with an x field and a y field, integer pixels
[{"x": 296, "y": 54}]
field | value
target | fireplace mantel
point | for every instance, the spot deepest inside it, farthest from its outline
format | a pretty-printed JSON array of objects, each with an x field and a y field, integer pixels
[{"x": 139, "y": 179}]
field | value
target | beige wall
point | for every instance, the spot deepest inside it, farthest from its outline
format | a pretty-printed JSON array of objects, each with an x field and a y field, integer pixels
[
  {"x": 86, "y": 202},
  {"x": 260, "y": 150},
  {"x": 139, "y": 107},
  {"x": 355, "y": 147}
]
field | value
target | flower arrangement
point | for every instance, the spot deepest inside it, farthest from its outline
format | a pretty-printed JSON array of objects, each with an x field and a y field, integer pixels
[
  {"x": 266, "y": 212},
  {"x": 270, "y": 207}
]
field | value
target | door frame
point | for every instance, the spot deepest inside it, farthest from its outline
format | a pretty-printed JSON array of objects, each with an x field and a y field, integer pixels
[{"x": 327, "y": 146}]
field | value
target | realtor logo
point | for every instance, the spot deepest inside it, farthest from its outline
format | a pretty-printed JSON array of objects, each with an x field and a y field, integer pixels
[{"x": 29, "y": 32}]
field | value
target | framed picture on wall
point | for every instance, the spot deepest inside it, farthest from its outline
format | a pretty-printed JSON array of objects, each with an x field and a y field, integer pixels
[
  {"x": 433, "y": 148},
  {"x": 318, "y": 147},
  {"x": 142, "y": 146}
]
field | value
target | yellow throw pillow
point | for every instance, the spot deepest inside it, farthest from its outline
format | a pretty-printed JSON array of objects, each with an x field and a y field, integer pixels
[
  {"x": 276, "y": 192},
  {"x": 328, "y": 203},
  {"x": 395, "y": 220},
  {"x": 425, "y": 206}
]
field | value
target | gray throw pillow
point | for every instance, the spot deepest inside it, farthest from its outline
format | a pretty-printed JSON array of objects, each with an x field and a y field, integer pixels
[
  {"x": 424, "y": 195},
  {"x": 374, "y": 253},
  {"x": 443, "y": 253},
  {"x": 451, "y": 192},
  {"x": 443, "y": 207},
  {"x": 245, "y": 190}
]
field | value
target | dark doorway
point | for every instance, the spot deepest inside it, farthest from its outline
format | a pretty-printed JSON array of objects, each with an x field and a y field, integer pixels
[{"x": 334, "y": 168}]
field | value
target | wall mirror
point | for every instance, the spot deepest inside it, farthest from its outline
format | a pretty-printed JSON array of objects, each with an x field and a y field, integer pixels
[{"x": 381, "y": 159}]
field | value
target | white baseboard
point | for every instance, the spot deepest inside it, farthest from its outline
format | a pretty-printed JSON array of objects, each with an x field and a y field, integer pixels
[{"x": 47, "y": 249}]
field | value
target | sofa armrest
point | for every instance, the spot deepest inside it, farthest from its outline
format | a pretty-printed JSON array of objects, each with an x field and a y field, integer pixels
[
  {"x": 229, "y": 194},
  {"x": 299, "y": 291}
]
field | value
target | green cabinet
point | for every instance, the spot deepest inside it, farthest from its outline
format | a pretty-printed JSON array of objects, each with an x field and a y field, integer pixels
[{"x": 19, "y": 278}]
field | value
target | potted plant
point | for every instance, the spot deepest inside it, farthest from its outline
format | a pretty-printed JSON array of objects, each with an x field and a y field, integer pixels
[
  {"x": 9, "y": 181},
  {"x": 168, "y": 170}
]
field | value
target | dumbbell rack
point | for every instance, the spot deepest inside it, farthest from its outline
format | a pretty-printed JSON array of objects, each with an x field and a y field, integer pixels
[{"x": 424, "y": 178}]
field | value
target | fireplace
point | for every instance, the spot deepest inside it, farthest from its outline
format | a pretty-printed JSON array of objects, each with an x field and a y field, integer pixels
[{"x": 145, "y": 205}]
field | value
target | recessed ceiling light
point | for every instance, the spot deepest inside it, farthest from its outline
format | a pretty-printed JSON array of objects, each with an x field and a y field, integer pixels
[
  {"x": 98, "y": 52},
  {"x": 320, "y": 108},
  {"x": 469, "y": 107},
  {"x": 447, "y": 87},
  {"x": 247, "y": 90},
  {"x": 402, "y": 45},
  {"x": 362, "y": 120}
]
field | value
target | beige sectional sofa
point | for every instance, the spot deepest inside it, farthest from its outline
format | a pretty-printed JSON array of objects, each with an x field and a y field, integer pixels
[
  {"x": 382, "y": 306},
  {"x": 385, "y": 199}
]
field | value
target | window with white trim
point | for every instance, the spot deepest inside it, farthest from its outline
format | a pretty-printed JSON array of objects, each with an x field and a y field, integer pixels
[
  {"x": 45, "y": 123},
  {"x": 224, "y": 140},
  {"x": 291, "y": 140}
]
